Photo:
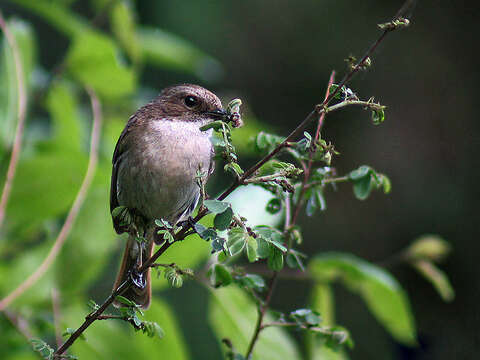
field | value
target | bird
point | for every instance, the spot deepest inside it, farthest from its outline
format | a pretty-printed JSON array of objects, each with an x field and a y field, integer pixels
[{"x": 156, "y": 163}]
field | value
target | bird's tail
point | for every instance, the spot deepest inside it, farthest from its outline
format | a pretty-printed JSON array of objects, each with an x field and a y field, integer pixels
[{"x": 141, "y": 290}]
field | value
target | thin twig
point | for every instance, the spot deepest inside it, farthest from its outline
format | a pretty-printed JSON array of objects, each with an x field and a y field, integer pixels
[
  {"x": 308, "y": 170},
  {"x": 74, "y": 210},
  {"x": 262, "y": 310},
  {"x": 289, "y": 221},
  {"x": 90, "y": 318},
  {"x": 21, "y": 112},
  {"x": 19, "y": 323}
]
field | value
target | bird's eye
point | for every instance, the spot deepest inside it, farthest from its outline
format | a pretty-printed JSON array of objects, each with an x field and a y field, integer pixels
[{"x": 191, "y": 101}]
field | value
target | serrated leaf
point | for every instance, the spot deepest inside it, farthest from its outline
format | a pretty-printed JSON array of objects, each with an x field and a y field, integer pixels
[{"x": 382, "y": 293}]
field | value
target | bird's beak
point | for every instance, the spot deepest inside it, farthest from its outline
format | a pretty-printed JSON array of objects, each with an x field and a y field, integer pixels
[{"x": 218, "y": 114}]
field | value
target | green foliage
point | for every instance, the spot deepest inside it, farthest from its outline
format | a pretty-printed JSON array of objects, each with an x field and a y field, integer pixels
[
  {"x": 25, "y": 39},
  {"x": 365, "y": 179},
  {"x": 93, "y": 60},
  {"x": 232, "y": 315},
  {"x": 381, "y": 292}
]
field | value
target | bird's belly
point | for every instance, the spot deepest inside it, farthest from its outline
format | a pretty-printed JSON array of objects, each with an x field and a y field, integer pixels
[{"x": 163, "y": 183}]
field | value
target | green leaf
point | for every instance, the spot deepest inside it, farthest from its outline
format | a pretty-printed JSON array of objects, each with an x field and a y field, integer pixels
[
  {"x": 223, "y": 220},
  {"x": 275, "y": 259},
  {"x": 122, "y": 19},
  {"x": 232, "y": 314},
  {"x": 263, "y": 248},
  {"x": 306, "y": 317},
  {"x": 90, "y": 241},
  {"x": 45, "y": 184},
  {"x": 123, "y": 300},
  {"x": 265, "y": 142},
  {"x": 362, "y": 187},
  {"x": 220, "y": 276},
  {"x": 381, "y": 292},
  {"x": 251, "y": 281},
  {"x": 437, "y": 277},
  {"x": 173, "y": 277},
  {"x": 251, "y": 249},
  {"x": 94, "y": 60},
  {"x": 429, "y": 246},
  {"x": 294, "y": 260},
  {"x": 152, "y": 329},
  {"x": 112, "y": 340},
  {"x": 172, "y": 52},
  {"x": 40, "y": 346},
  {"x": 272, "y": 236},
  {"x": 386, "y": 183},
  {"x": 378, "y": 116},
  {"x": 63, "y": 106},
  {"x": 216, "y": 206},
  {"x": 274, "y": 206},
  {"x": 237, "y": 238},
  {"x": 25, "y": 40},
  {"x": 58, "y": 16},
  {"x": 360, "y": 173}
]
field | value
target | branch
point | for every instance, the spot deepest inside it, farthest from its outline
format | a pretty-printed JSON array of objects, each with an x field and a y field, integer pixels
[
  {"x": 319, "y": 110},
  {"x": 262, "y": 309},
  {"x": 74, "y": 210},
  {"x": 90, "y": 318},
  {"x": 19, "y": 323},
  {"x": 21, "y": 112},
  {"x": 308, "y": 169}
]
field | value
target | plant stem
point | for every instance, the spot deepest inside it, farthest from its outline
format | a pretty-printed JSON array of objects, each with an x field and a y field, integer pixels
[
  {"x": 21, "y": 112},
  {"x": 262, "y": 310},
  {"x": 308, "y": 170},
  {"x": 74, "y": 210}
]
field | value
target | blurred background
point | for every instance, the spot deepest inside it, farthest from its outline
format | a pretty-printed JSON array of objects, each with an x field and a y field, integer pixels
[{"x": 277, "y": 57}]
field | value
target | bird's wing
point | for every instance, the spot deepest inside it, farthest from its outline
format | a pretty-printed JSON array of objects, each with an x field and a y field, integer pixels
[{"x": 116, "y": 160}]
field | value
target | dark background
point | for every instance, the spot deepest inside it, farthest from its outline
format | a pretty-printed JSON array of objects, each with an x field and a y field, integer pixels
[{"x": 277, "y": 56}]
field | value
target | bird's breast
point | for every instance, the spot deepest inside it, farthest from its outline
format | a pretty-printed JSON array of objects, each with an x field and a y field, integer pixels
[{"x": 159, "y": 176}]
